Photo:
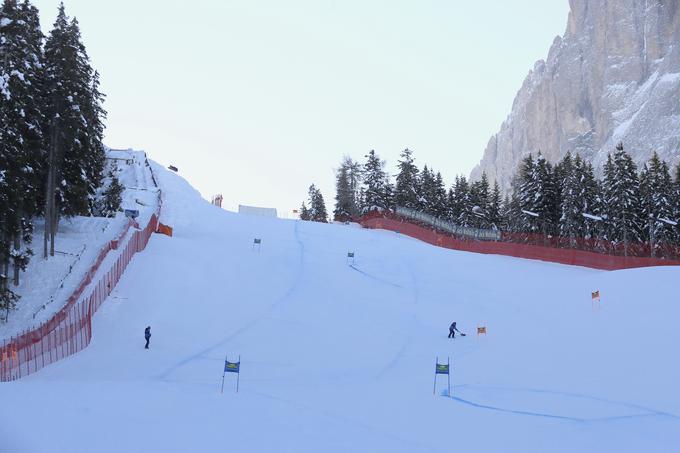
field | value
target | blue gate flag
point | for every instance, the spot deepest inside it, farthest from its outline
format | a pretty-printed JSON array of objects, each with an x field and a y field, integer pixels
[
  {"x": 442, "y": 369},
  {"x": 232, "y": 367}
]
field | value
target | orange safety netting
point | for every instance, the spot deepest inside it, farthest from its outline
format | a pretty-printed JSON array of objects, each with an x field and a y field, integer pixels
[
  {"x": 70, "y": 329},
  {"x": 572, "y": 256}
]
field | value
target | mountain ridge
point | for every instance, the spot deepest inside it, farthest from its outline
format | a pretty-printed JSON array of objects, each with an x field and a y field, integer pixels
[{"x": 613, "y": 76}]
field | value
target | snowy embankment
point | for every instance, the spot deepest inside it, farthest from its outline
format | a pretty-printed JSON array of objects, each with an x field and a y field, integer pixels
[
  {"x": 339, "y": 358},
  {"x": 47, "y": 284}
]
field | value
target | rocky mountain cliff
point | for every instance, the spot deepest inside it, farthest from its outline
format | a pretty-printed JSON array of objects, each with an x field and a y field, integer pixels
[{"x": 614, "y": 76}]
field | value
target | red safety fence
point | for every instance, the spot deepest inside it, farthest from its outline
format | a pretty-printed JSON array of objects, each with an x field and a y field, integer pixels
[
  {"x": 70, "y": 329},
  {"x": 572, "y": 256},
  {"x": 633, "y": 249}
]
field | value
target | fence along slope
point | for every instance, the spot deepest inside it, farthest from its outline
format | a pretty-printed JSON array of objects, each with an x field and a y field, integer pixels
[
  {"x": 70, "y": 329},
  {"x": 392, "y": 222}
]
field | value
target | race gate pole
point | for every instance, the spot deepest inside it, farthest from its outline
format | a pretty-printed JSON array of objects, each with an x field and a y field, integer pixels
[
  {"x": 434, "y": 387},
  {"x": 448, "y": 375},
  {"x": 238, "y": 375},
  {"x": 223, "y": 373}
]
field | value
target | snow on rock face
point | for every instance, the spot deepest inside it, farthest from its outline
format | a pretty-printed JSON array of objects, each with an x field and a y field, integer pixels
[{"x": 613, "y": 76}]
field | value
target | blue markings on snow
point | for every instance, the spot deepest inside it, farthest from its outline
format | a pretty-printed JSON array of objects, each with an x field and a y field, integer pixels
[
  {"x": 646, "y": 412},
  {"x": 373, "y": 277},
  {"x": 220, "y": 344},
  {"x": 513, "y": 411},
  {"x": 301, "y": 249}
]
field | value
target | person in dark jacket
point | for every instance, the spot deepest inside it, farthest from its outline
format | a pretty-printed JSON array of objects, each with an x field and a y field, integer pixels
[
  {"x": 147, "y": 335},
  {"x": 453, "y": 330}
]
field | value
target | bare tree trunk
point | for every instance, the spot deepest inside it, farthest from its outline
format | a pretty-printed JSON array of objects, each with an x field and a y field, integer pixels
[
  {"x": 5, "y": 266},
  {"x": 17, "y": 247},
  {"x": 49, "y": 198},
  {"x": 3, "y": 277},
  {"x": 625, "y": 237},
  {"x": 53, "y": 224},
  {"x": 51, "y": 211},
  {"x": 651, "y": 238}
]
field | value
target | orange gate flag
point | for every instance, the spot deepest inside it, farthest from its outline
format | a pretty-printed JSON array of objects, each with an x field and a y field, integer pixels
[
  {"x": 481, "y": 330},
  {"x": 596, "y": 295},
  {"x": 164, "y": 229}
]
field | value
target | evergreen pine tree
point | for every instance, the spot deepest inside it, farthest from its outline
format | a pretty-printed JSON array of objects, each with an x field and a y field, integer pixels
[
  {"x": 427, "y": 192},
  {"x": 587, "y": 200},
  {"x": 406, "y": 188},
  {"x": 376, "y": 190},
  {"x": 547, "y": 198},
  {"x": 450, "y": 202},
  {"x": 110, "y": 202},
  {"x": 560, "y": 196},
  {"x": 676, "y": 204},
  {"x": 49, "y": 101},
  {"x": 344, "y": 198},
  {"x": 93, "y": 149},
  {"x": 656, "y": 190},
  {"x": 512, "y": 216},
  {"x": 494, "y": 210},
  {"x": 21, "y": 119},
  {"x": 34, "y": 134},
  {"x": 76, "y": 154},
  {"x": 570, "y": 209},
  {"x": 311, "y": 199},
  {"x": 623, "y": 207},
  {"x": 388, "y": 200},
  {"x": 439, "y": 196},
  {"x": 528, "y": 186},
  {"x": 461, "y": 206},
  {"x": 304, "y": 212},
  {"x": 318, "y": 210},
  {"x": 354, "y": 175},
  {"x": 361, "y": 200},
  {"x": 479, "y": 199},
  {"x": 646, "y": 197}
]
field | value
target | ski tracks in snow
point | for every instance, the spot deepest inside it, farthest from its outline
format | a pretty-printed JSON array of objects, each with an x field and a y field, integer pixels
[
  {"x": 373, "y": 277},
  {"x": 250, "y": 324},
  {"x": 645, "y": 411},
  {"x": 415, "y": 297},
  {"x": 418, "y": 446}
]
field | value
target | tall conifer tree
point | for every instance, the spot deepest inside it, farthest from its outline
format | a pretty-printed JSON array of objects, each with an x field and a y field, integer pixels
[
  {"x": 588, "y": 199},
  {"x": 344, "y": 198},
  {"x": 461, "y": 205},
  {"x": 495, "y": 208},
  {"x": 570, "y": 209},
  {"x": 656, "y": 189},
  {"x": 21, "y": 140},
  {"x": 318, "y": 206},
  {"x": 623, "y": 199},
  {"x": 479, "y": 199},
  {"x": 406, "y": 187},
  {"x": 75, "y": 115},
  {"x": 439, "y": 196},
  {"x": 377, "y": 190}
]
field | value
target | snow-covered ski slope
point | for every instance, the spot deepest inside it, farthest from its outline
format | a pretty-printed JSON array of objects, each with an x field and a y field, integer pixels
[{"x": 341, "y": 359}]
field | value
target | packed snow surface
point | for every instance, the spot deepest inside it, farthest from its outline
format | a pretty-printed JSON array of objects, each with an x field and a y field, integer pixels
[{"x": 339, "y": 357}]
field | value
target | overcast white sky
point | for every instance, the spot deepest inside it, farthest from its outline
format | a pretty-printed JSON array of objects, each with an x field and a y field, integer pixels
[{"x": 258, "y": 99}]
